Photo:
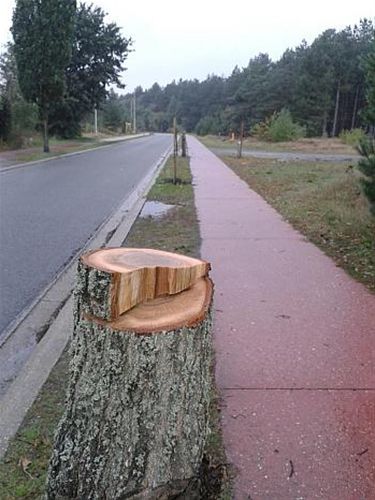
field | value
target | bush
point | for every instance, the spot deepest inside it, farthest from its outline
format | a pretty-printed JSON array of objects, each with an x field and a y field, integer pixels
[
  {"x": 283, "y": 128},
  {"x": 366, "y": 165},
  {"x": 260, "y": 130},
  {"x": 278, "y": 128},
  {"x": 352, "y": 137}
]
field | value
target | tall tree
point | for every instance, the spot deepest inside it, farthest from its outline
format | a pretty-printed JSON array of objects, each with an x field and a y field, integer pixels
[
  {"x": 21, "y": 116},
  {"x": 43, "y": 34},
  {"x": 366, "y": 165},
  {"x": 370, "y": 86},
  {"x": 98, "y": 55}
]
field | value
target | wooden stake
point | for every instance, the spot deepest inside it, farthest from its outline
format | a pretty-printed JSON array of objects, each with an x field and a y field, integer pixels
[
  {"x": 240, "y": 142},
  {"x": 174, "y": 151}
]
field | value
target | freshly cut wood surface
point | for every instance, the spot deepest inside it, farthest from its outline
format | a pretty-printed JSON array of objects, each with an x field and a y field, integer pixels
[
  {"x": 168, "y": 313},
  {"x": 139, "y": 275}
]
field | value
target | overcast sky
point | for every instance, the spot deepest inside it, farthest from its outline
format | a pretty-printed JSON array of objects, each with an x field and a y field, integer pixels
[{"x": 191, "y": 39}]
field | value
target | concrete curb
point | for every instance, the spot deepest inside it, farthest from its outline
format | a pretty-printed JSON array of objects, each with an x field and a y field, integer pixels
[
  {"x": 74, "y": 153},
  {"x": 53, "y": 312}
]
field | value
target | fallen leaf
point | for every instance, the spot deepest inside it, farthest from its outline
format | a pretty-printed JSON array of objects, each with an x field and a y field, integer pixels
[{"x": 24, "y": 463}]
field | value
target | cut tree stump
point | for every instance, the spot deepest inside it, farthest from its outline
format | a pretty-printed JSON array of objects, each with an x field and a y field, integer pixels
[{"x": 136, "y": 415}]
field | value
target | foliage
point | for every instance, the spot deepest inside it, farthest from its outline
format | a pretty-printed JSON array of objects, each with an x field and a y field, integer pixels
[
  {"x": 42, "y": 33},
  {"x": 278, "y": 128},
  {"x": 114, "y": 112},
  {"x": 369, "y": 65},
  {"x": 20, "y": 116},
  {"x": 352, "y": 137},
  {"x": 322, "y": 85},
  {"x": 98, "y": 54},
  {"x": 366, "y": 165},
  {"x": 5, "y": 118}
]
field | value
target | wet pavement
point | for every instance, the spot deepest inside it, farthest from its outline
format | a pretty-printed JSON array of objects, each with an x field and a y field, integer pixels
[
  {"x": 295, "y": 349},
  {"x": 155, "y": 209}
]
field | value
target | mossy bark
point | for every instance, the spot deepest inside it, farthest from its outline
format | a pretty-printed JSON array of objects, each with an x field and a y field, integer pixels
[{"x": 136, "y": 414}]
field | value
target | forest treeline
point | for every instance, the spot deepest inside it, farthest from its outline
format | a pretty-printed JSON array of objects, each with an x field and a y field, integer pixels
[
  {"x": 319, "y": 89},
  {"x": 323, "y": 85}
]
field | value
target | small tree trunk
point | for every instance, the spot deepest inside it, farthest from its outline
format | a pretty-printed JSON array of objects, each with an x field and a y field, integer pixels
[
  {"x": 355, "y": 108},
  {"x": 240, "y": 141},
  {"x": 335, "y": 118},
  {"x": 324, "y": 125},
  {"x": 136, "y": 415},
  {"x": 45, "y": 134},
  {"x": 183, "y": 145}
]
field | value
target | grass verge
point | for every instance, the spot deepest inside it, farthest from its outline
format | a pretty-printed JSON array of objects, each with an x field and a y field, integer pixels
[
  {"x": 324, "y": 202},
  {"x": 58, "y": 147},
  {"x": 23, "y": 470},
  {"x": 313, "y": 145}
]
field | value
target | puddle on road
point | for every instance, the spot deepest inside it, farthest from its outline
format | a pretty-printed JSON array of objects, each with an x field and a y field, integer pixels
[{"x": 155, "y": 209}]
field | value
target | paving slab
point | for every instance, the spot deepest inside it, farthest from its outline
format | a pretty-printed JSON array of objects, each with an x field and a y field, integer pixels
[{"x": 295, "y": 349}]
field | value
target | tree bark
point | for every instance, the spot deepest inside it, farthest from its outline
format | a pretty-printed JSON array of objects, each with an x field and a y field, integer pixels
[
  {"x": 355, "y": 108},
  {"x": 136, "y": 414},
  {"x": 335, "y": 118},
  {"x": 45, "y": 135},
  {"x": 324, "y": 125}
]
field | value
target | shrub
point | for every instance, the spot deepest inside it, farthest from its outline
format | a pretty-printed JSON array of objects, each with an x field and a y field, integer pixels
[
  {"x": 260, "y": 130},
  {"x": 279, "y": 127},
  {"x": 366, "y": 165},
  {"x": 352, "y": 137},
  {"x": 283, "y": 128}
]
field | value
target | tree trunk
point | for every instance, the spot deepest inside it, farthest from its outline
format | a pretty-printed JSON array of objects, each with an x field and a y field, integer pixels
[
  {"x": 324, "y": 126},
  {"x": 45, "y": 135},
  {"x": 136, "y": 415},
  {"x": 335, "y": 118},
  {"x": 355, "y": 108},
  {"x": 183, "y": 145}
]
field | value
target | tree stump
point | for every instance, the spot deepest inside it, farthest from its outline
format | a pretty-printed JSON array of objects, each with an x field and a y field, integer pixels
[{"x": 136, "y": 413}]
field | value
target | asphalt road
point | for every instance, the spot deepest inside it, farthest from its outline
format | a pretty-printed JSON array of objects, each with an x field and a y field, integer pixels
[{"x": 49, "y": 210}]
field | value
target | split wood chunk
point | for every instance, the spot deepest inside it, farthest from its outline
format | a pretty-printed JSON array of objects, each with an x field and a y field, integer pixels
[{"x": 117, "y": 279}]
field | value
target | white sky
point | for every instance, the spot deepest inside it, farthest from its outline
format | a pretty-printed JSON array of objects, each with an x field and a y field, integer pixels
[{"x": 190, "y": 39}]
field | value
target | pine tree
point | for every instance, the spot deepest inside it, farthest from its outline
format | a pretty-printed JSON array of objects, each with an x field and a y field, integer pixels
[{"x": 367, "y": 166}]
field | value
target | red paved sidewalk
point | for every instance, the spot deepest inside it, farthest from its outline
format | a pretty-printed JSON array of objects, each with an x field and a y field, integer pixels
[{"x": 295, "y": 346}]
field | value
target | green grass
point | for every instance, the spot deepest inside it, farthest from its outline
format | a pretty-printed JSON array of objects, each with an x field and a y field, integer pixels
[
  {"x": 177, "y": 231},
  {"x": 306, "y": 145},
  {"x": 33, "y": 443},
  {"x": 322, "y": 200}
]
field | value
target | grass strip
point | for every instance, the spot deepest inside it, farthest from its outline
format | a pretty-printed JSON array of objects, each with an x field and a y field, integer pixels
[
  {"x": 24, "y": 467},
  {"x": 324, "y": 202},
  {"x": 312, "y": 145}
]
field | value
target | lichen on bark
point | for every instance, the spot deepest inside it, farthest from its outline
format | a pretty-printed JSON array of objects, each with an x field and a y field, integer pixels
[
  {"x": 93, "y": 290},
  {"x": 136, "y": 413}
]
